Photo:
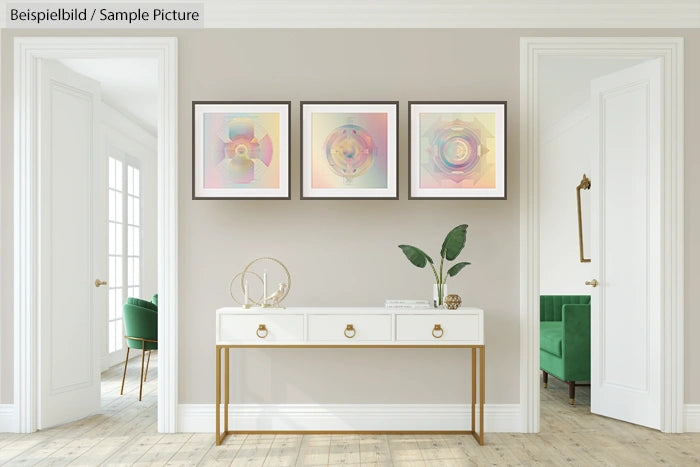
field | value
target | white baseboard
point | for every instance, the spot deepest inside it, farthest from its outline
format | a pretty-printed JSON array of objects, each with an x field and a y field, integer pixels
[
  {"x": 201, "y": 418},
  {"x": 692, "y": 418},
  {"x": 8, "y": 419}
]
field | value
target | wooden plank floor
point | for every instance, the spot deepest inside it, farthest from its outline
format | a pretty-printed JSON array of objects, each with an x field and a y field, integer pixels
[{"x": 124, "y": 432}]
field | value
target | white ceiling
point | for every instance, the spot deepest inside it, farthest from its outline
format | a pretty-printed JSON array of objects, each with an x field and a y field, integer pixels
[
  {"x": 437, "y": 13},
  {"x": 130, "y": 85}
]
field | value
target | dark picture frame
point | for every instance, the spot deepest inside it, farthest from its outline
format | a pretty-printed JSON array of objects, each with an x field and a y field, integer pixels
[
  {"x": 349, "y": 150},
  {"x": 457, "y": 150},
  {"x": 241, "y": 150}
]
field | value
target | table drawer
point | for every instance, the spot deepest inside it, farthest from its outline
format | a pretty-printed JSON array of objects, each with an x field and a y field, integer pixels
[
  {"x": 350, "y": 328},
  {"x": 439, "y": 328},
  {"x": 261, "y": 329}
]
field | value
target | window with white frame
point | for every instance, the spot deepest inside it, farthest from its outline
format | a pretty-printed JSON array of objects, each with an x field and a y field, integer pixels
[{"x": 124, "y": 242}]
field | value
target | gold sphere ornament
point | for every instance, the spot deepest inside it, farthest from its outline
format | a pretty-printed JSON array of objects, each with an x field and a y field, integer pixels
[{"x": 452, "y": 301}]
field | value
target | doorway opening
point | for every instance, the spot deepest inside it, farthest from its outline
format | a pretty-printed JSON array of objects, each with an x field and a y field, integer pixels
[
  {"x": 128, "y": 149},
  {"x": 99, "y": 210},
  {"x": 121, "y": 94},
  {"x": 567, "y": 135},
  {"x": 659, "y": 190}
]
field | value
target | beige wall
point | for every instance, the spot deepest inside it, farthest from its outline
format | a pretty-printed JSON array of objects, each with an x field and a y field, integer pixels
[{"x": 344, "y": 252}]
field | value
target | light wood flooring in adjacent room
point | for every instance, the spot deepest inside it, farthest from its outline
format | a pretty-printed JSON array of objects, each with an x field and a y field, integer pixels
[{"x": 125, "y": 433}]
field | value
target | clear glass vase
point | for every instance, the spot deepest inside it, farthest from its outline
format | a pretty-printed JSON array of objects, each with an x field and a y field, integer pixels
[{"x": 439, "y": 294}]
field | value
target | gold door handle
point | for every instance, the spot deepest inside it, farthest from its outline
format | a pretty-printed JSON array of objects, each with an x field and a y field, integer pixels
[
  {"x": 592, "y": 283},
  {"x": 99, "y": 282},
  {"x": 261, "y": 328},
  {"x": 584, "y": 185},
  {"x": 348, "y": 329},
  {"x": 436, "y": 329}
]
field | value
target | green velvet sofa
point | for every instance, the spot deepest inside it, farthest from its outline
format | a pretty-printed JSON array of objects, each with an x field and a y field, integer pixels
[{"x": 565, "y": 339}]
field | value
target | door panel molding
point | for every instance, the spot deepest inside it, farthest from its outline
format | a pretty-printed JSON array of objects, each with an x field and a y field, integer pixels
[
  {"x": 27, "y": 218},
  {"x": 610, "y": 378},
  {"x": 670, "y": 51}
]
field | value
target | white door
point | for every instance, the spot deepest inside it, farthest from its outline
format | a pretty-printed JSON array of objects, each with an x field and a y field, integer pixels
[
  {"x": 625, "y": 245},
  {"x": 73, "y": 246}
]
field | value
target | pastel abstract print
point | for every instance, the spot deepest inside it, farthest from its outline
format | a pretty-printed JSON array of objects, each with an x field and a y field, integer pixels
[
  {"x": 349, "y": 150},
  {"x": 241, "y": 150},
  {"x": 458, "y": 150}
]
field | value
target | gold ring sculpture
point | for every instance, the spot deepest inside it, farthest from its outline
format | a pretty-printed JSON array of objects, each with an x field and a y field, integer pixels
[{"x": 276, "y": 297}]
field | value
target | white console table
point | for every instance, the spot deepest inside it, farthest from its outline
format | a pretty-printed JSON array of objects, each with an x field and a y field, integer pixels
[{"x": 350, "y": 328}]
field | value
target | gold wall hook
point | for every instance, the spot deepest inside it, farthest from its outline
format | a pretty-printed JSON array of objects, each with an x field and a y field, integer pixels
[{"x": 584, "y": 185}]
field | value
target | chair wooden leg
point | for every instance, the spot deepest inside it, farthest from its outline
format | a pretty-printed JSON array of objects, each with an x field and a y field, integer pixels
[
  {"x": 545, "y": 378},
  {"x": 124, "y": 377},
  {"x": 572, "y": 392},
  {"x": 143, "y": 354},
  {"x": 148, "y": 360}
]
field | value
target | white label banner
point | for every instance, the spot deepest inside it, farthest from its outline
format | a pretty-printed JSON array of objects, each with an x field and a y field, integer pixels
[{"x": 104, "y": 15}]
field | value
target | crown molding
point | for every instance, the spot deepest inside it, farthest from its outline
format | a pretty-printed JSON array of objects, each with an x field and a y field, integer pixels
[
  {"x": 453, "y": 14},
  {"x": 558, "y": 14}
]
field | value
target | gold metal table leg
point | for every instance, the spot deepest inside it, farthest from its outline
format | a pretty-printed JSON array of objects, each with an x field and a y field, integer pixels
[
  {"x": 473, "y": 389},
  {"x": 226, "y": 389},
  {"x": 218, "y": 395},
  {"x": 482, "y": 392},
  {"x": 478, "y": 434}
]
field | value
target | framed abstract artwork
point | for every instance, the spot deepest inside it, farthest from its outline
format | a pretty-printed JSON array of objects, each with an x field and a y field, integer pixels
[
  {"x": 457, "y": 150},
  {"x": 240, "y": 150},
  {"x": 349, "y": 150}
]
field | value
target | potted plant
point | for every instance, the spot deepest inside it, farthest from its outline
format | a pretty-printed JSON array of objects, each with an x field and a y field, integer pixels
[{"x": 451, "y": 248}]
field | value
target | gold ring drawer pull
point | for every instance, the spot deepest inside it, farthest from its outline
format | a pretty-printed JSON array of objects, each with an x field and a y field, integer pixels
[
  {"x": 348, "y": 329},
  {"x": 262, "y": 331},
  {"x": 437, "y": 329}
]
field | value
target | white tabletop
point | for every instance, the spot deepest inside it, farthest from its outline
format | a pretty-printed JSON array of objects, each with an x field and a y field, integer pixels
[{"x": 350, "y": 310}]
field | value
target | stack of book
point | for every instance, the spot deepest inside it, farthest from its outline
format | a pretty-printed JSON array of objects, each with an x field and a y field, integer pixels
[{"x": 411, "y": 304}]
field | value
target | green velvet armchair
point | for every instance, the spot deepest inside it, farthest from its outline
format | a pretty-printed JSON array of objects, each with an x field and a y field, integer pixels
[
  {"x": 141, "y": 326},
  {"x": 565, "y": 339}
]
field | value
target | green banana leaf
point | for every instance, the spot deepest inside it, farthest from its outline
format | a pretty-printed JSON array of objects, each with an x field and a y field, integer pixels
[
  {"x": 416, "y": 256},
  {"x": 454, "y": 243},
  {"x": 454, "y": 270}
]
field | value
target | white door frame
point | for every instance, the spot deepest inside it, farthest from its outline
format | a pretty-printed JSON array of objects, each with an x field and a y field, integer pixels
[
  {"x": 670, "y": 51},
  {"x": 27, "y": 221}
]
